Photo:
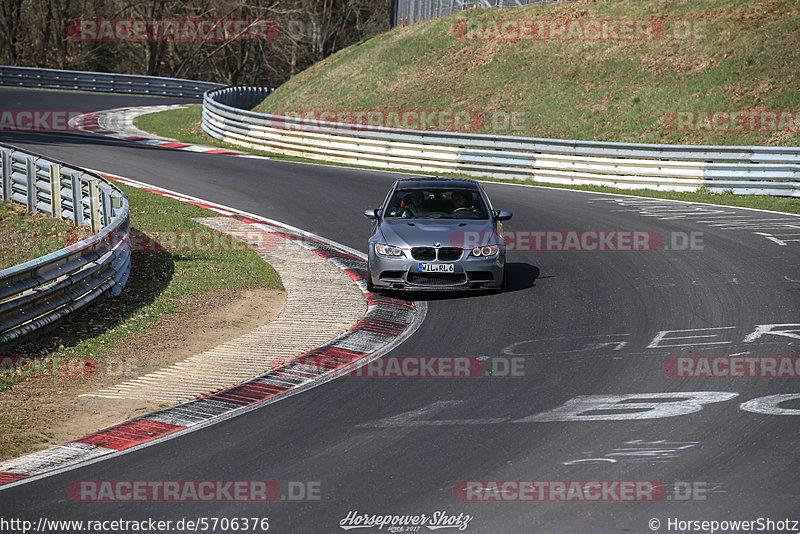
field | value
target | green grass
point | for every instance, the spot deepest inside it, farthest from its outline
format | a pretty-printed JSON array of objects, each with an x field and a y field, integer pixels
[
  {"x": 26, "y": 236},
  {"x": 161, "y": 282},
  {"x": 182, "y": 124},
  {"x": 174, "y": 124},
  {"x": 739, "y": 56}
]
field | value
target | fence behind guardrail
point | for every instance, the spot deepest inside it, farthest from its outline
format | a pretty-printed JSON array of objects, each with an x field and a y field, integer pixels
[{"x": 410, "y": 11}]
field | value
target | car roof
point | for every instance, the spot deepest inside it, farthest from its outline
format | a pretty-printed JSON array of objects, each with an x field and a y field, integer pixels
[{"x": 436, "y": 182}]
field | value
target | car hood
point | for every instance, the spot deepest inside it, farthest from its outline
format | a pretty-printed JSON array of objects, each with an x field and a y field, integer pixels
[{"x": 447, "y": 232}]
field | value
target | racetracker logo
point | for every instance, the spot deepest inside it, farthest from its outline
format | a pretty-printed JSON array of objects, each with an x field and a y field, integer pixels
[
  {"x": 25, "y": 367},
  {"x": 173, "y": 30},
  {"x": 38, "y": 120},
  {"x": 733, "y": 366},
  {"x": 173, "y": 491},
  {"x": 437, "y": 120},
  {"x": 418, "y": 367},
  {"x": 186, "y": 241},
  {"x": 565, "y": 240},
  {"x": 733, "y": 121},
  {"x": 559, "y": 490},
  {"x": 573, "y": 30}
]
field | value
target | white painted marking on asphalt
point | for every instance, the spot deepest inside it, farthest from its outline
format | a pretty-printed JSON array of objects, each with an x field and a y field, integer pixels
[
  {"x": 512, "y": 349},
  {"x": 793, "y": 331},
  {"x": 641, "y": 451},
  {"x": 779, "y": 241},
  {"x": 634, "y": 406},
  {"x": 770, "y": 405},
  {"x": 416, "y": 417},
  {"x": 588, "y": 460},
  {"x": 662, "y": 335},
  {"x": 629, "y": 407},
  {"x": 723, "y": 218}
]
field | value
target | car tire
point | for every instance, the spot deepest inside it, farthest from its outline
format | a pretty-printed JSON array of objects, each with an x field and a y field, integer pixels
[
  {"x": 503, "y": 281},
  {"x": 370, "y": 287}
]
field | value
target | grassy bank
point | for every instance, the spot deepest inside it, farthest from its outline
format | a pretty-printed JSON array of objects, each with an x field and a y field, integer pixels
[
  {"x": 704, "y": 56},
  {"x": 26, "y": 236}
]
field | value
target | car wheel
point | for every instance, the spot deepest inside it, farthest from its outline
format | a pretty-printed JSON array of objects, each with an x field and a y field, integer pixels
[
  {"x": 370, "y": 287},
  {"x": 503, "y": 281}
]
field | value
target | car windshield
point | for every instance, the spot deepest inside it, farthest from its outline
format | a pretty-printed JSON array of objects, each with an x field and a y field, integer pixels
[{"x": 440, "y": 203}]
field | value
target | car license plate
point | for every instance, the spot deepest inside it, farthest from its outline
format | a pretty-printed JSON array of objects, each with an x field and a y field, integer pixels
[{"x": 437, "y": 268}]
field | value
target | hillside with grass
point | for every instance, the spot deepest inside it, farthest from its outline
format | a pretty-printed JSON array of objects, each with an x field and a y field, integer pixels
[{"x": 681, "y": 76}]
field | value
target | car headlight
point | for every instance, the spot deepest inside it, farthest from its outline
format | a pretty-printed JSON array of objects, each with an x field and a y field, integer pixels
[
  {"x": 485, "y": 251},
  {"x": 388, "y": 250}
]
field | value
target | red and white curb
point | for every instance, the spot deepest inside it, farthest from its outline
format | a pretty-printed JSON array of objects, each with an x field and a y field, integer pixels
[
  {"x": 387, "y": 322},
  {"x": 118, "y": 123}
]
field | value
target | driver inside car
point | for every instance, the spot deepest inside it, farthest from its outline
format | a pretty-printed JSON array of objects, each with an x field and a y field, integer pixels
[
  {"x": 416, "y": 207},
  {"x": 460, "y": 203}
]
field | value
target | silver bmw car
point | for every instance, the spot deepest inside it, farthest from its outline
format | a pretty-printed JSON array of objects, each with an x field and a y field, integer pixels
[{"x": 436, "y": 234}]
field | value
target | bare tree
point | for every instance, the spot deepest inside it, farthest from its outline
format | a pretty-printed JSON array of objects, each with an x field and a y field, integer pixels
[
  {"x": 35, "y": 32},
  {"x": 10, "y": 14}
]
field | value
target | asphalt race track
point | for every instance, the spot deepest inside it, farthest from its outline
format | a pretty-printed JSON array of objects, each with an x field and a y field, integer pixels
[{"x": 578, "y": 323}]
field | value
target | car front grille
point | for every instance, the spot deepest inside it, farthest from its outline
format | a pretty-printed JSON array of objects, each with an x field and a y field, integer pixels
[
  {"x": 431, "y": 254},
  {"x": 450, "y": 253},
  {"x": 436, "y": 279},
  {"x": 423, "y": 253}
]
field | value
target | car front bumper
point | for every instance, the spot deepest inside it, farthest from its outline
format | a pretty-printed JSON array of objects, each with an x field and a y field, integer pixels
[{"x": 403, "y": 273}]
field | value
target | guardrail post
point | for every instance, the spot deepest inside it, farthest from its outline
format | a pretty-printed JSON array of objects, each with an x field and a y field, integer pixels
[
  {"x": 55, "y": 190},
  {"x": 30, "y": 182},
  {"x": 77, "y": 199},
  {"x": 116, "y": 201},
  {"x": 6, "y": 162},
  {"x": 106, "y": 205},
  {"x": 94, "y": 205}
]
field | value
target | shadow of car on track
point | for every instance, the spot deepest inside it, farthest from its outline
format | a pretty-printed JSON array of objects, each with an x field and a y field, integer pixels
[{"x": 519, "y": 276}]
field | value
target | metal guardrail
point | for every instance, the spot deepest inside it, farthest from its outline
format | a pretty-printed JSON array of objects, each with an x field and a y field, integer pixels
[
  {"x": 43, "y": 291},
  {"x": 103, "y": 82},
  {"x": 740, "y": 169}
]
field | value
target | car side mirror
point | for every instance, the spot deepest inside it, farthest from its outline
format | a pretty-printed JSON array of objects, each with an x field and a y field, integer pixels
[
  {"x": 372, "y": 213},
  {"x": 502, "y": 215}
]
